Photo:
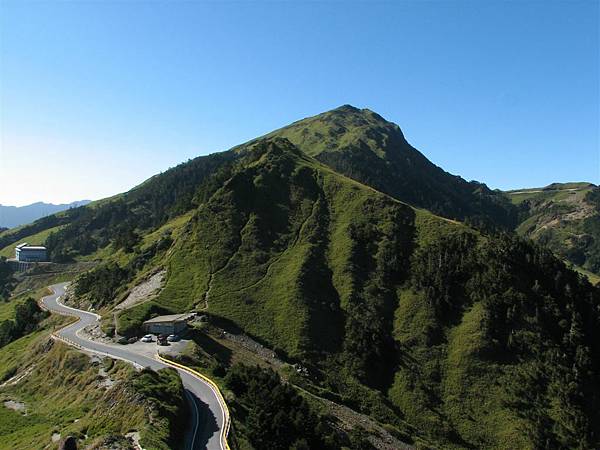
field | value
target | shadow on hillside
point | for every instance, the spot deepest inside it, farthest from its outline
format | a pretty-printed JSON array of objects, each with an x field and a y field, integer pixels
[{"x": 212, "y": 347}]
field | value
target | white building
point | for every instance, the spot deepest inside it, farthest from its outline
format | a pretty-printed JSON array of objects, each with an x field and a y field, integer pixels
[
  {"x": 30, "y": 253},
  {"x": 172, "y": 324}
]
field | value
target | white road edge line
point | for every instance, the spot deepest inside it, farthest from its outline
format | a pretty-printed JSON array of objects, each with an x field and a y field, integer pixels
[
  {"x": 190, "y": 398},
  {"x": 223, "y": 439},
  {"x": 77, "y": 311}
]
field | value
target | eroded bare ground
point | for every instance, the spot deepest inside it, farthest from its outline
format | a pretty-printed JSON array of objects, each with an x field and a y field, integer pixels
[
  {"x": 140, "y": 293},
  {"x": 94, "y": 333},
  {"x": 134, "y": 437},
  {"x": 17, "y": 378},
  {"x": 15, "y": 405},
  {"x": 549, "y": 218},
  {"x": 143, "y": 291}
]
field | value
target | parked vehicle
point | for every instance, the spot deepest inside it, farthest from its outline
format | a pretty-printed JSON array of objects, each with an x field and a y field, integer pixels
[
  {"x": 173, "y": 338},
  {"x": 122, "y": 340},
  {"x": 162, "y": 339},
  {"x": 147, "y": 338}
]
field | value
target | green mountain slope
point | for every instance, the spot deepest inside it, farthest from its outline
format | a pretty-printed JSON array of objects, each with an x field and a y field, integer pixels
[
  {"x": 362, "y": 145},
  {"x": 465, "y": 340},
  {"x": 357, "y": 143},
  {"x": 565, "y": 217},
  {"x": 443, "y": 333}
]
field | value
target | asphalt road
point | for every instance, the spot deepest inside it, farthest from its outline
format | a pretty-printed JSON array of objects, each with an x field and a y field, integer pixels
[{"x": 208, "y": 416}]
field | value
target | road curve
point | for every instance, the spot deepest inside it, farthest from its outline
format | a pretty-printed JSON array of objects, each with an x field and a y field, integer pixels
[{"x": 208, "y": 414}]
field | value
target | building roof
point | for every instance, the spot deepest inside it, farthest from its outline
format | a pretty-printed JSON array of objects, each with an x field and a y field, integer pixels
[
  {"x": 24, "y": 244},
  {"x": 171, "y": 318},
  {"x": 31, "y": 247}
]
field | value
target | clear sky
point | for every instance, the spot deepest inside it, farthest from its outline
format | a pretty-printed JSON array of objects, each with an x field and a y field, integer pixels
[{"x": 97, "y": 96}]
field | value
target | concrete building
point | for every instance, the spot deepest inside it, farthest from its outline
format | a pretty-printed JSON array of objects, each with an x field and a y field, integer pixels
[
  {"x": 172, "y": 324},
  {"x": 30, "y": 253}
]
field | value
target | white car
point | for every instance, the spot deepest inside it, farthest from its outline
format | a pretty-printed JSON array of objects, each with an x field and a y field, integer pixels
[
  {"x": 147, "y": 338},
  {"x": 172, "y": 338}
]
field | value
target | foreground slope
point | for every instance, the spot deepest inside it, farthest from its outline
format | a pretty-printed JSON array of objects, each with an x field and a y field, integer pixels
[
  {"x": 49, "y": 391},
  {"x": 461, "y": 339}
]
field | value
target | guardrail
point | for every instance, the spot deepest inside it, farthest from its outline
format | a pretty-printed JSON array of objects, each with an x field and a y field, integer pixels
[{"x": 215, "y": 389}]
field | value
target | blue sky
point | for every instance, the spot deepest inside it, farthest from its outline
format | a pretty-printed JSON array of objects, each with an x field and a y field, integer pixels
[{"x": 97, "y": 96}]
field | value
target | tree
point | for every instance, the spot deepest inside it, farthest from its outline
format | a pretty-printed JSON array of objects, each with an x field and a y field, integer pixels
[{"x": 6, "y": 278}]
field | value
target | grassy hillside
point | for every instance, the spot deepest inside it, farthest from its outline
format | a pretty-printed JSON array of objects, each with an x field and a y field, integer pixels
[
  {"x": 565, "y": 218},
  {"x": 117, "y": 220},
  {"x": 357, "y": 143},
  {"x": 56, "y": 390},
  {"x": 556, "y": 192}
]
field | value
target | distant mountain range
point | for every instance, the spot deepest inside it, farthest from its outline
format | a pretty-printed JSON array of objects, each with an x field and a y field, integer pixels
[{"x": 13, "y": 216}]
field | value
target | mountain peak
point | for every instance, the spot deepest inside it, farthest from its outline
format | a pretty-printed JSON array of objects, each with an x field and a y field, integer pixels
[
  {"x": 361, "y": 144},
  {"x": 342, "y": 127},
  {"x": 346, "y": 107},
  {"x": 352, "y": 111}
]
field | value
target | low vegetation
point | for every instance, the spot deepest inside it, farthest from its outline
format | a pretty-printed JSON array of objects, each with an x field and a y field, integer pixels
[
  {"x": 27, "y": 317},
  {"x": 7, "y": 280},
  {"x": 362, "y": 145},
  {"x": 65, "y": 393}
]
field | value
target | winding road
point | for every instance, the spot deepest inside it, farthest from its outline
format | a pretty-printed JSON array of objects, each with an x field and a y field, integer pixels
[{"x": 209, "y": 417}]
